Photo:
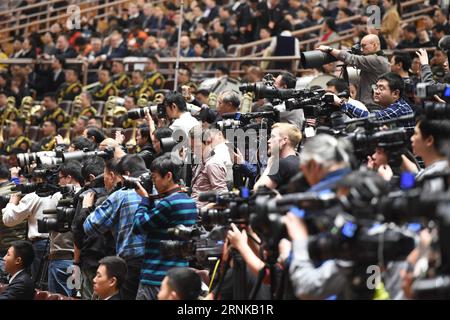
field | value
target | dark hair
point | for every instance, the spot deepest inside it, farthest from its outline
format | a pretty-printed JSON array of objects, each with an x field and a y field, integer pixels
[
  {"x": 21, "y": 123},
  {"x": 438, "y": 28},
  {"x": 82, "y": 143},
  {"x": 177, "y": 99},
  {"x": 61, "y": 60},
  {"x": 24, "y": 250},
  {"x": 94, "y": 166},
  {"x": 185, "y": 282},
  {"x": 410, "y": 28},
  {"x": 347, "y": 12},
  {"x": 288, "y": 79},
  {"x": 164, "y": 164},
  {"x": 216, "y": 35},
  {"x": 404, "y": 59},
  {"x": 339, "y": 83},
  {"x": 4, "y": 172},
  {"x": 131, "y": 163},
  {"x": 394, "y": 81},
  {"x": 115, "y": 267},
  {"x": 285, "y": 25},
  {"x": 438, "y": 129},
  {"x": 163, "y": 132},
  {"x": 224, "y": 70},
  {"x": 72, "y": 168},
  {"x": 112, "y": 165},
  {"x": 97, "y": 133},
  {"x": 145, "y": 131},
  {"x": 331, "y": 23},
  {"x": 50, "y": 95}
]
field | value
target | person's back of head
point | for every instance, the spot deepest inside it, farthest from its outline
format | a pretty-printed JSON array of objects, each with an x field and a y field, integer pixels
[
  {"x": 82, "y": 143},
  {"x": 95, "y": 134},
  {"x": 289, "y": 80},
  {"x": 132, "y": 165},
  {"x": 71, "y": 170},
  {"x": 180, "y": 284},
  {"x": 5, "y": 174},
  {"x": 177, "y": 99},
  {"x": 339, "y": 84},
  {"x": 92, "y": 167},
  {"x": 326, "y": 150}
]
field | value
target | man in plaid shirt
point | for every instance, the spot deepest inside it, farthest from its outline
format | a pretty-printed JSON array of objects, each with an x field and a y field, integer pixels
[
  {"x": 387, "y": 93},
  {"x": 116, "y": 215}
]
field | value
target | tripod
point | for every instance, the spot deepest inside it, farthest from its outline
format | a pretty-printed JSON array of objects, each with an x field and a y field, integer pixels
[{"x": 41, "y": 280}]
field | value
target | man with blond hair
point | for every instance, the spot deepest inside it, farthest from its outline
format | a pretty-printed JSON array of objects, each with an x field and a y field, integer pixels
[{"x": 283, "y": 163}]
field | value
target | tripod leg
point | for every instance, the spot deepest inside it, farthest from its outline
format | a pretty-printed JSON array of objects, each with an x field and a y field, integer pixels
[{"x": 258, "y": 283}]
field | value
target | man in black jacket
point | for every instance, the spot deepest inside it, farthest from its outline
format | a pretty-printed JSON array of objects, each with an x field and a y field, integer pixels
[{"x": 17, "y": 260}]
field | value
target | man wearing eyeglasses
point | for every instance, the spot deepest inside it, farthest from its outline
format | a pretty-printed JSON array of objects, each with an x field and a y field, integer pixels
[
  {"x": 387, "y": 94},
  {"x": 372, "y": 64}
]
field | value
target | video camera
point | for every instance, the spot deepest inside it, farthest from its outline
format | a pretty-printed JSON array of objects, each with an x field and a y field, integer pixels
[
  {"x": 59, "y": 219},
  {"x": 196, "y": 245},
  {"x": 248, "y": 120}
]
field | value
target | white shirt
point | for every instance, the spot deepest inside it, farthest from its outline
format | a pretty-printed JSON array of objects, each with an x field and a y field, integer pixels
[
  {"x": 30, "y": 207},
  {"x": 185, "y": 123},
  {"x": 14, "y": 275}
]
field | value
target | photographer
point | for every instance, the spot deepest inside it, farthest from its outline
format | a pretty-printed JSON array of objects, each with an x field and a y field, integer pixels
[
  {"x": 228, "y": 102},
  {"x": 372, "y": 64},
  {"x": 283, "y": 161},
  {"x": 287, "y": 80},
  {"x": 429, "y": 143},
  {"x": 174, "y": 208},
  {"x": 176, "y": 110},
  {"x": 90, "y": 249},
  {"x": 116, "y": 215},
  {"x": 144, "y": 142},
  {"x": 332, "y": 277},
  {"x": 8, "y": 235},
  {"x": 212, "y": 166},
  {"x": 61, "y": 244},
  {"x": 30, "y": 207},
  {"x": 324, "y": 161},
  {"x": 94, "y": 134},
  {"x": 388, "y": 93}
]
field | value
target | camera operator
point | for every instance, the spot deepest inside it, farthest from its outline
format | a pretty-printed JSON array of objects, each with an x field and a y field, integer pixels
[
  {"x": 228, "y": 102},
  {"x": 89, "y": 250},
  {"x": 176, "y": 110},
  {"x": 174, "y": 208},
  {"x": 338, "y": 85},
  {"x": 95, "y": 134},
  {"x": 212, "y": 166},
  {"x": 180, "y": 284},
  {"x": 118, "y": 149},
  {"x": 8, "y": 235},
  {"x": 283, "y": 161},
  {"x": 324, "y": 161},
  {"x": 30, "y": 207},
  {"x": 81, "y": 144},
  {"x": 372, "y": 64},
  {"x": 116, "y": 215},
  {"x": 144, "y": 142},
  {"x": 332, "y": 277},
  {"x": 388, "y": 93},
  {"x": 61, "y": 244},
  {"x": 157, "y": 136},
  {"x": 287, "y": 80},
  {"x": 429, "y": 143}
]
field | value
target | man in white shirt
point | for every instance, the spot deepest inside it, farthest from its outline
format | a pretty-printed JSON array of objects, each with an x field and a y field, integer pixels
[
  {"x": 30, "y": 208},
  {"x": 176, "y": 110}
]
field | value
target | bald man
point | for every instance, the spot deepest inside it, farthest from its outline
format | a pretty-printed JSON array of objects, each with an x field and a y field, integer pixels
[{"x": 372, "y": 65}]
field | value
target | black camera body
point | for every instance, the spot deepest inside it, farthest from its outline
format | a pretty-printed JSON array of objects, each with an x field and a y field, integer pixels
[
  {"x": 144, "y": 179},
  {"x": 59, "y": 219},
  {"x": 158, "y": 111},
  {"x": 196, "y": 245}
]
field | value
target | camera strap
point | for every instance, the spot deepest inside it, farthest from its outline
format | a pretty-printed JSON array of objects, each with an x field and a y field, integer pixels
[{"x": 168, "y": 193}]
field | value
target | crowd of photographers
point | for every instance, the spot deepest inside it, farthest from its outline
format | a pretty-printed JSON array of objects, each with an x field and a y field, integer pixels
[{"x": 273, "y": 192}]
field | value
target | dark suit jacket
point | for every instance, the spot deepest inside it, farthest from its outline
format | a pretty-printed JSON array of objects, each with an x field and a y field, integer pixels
[
  {"x": 21, "y": 288},
  {"x": 115, "y": 297}
]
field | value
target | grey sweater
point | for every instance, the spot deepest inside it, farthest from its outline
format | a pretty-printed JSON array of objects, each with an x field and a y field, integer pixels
[{"x": 371, "y": 66}]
